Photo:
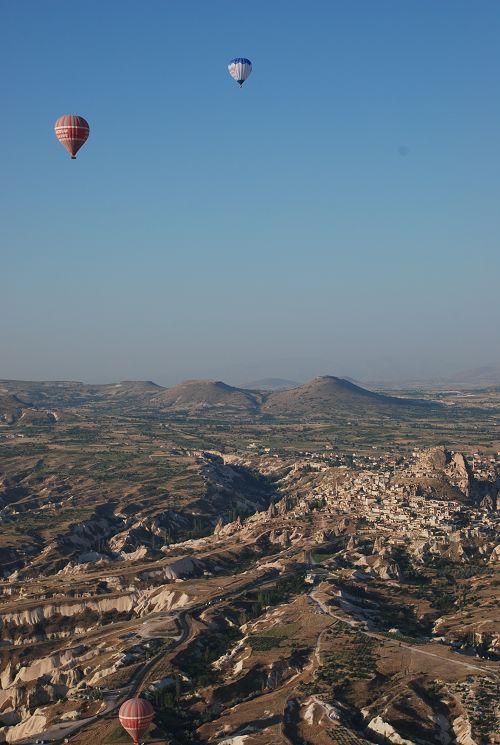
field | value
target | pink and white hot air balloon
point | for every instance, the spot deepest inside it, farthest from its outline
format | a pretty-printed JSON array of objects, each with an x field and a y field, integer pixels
[{"x": 135, "y": 716}]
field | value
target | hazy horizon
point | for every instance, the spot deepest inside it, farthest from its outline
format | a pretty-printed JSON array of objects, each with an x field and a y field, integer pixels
[
  {"x": 338, "y": 215},
  {"x": 168, "y": 380}
]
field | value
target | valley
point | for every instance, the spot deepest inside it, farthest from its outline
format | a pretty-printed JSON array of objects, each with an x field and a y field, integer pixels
[{"x": 309, "y": 565}]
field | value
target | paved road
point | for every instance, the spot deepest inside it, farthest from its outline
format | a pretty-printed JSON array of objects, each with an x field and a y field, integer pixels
[
  {"x": 114, "y": 699},
  {"x": 414, "y": 649},
  {"x": 59, "y": 732}
]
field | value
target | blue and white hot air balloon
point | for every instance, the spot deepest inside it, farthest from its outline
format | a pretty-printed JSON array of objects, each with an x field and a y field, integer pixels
[{"x": 239, "y": 69}]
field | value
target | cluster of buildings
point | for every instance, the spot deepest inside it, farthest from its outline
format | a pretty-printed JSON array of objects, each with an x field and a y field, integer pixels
[{"x": 399, "y": 497}]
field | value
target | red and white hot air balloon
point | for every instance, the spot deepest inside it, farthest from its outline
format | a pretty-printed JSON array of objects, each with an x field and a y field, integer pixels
[
  {"x": 135, "y": 716},
  {"x": 72, "y": 131}
]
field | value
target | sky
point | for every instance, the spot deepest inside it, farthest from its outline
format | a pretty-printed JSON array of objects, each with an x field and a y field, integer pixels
[{"x": 337, "y": 215}]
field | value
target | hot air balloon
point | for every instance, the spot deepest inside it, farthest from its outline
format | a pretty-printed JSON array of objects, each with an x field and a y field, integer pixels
[
  {"x": 135, "y": 716},
  {"x": 239, "y": 69},
  {"x": 72, "y": 131}
]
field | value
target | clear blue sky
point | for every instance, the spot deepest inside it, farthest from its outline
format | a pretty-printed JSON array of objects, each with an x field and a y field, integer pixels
[{"x": 339, "y": 214}]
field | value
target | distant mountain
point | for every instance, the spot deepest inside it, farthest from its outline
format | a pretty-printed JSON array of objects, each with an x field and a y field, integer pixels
[
  {"x": 206, "y": 394},
  {"x": 478, "y": 377},
  {"x": 322, "y": 397},
  {"x": 42, "y": 392},
  {"x": 327, "y": 396},
  {"x": 62, "y": 393},
  {"x": 137, "y": 389},
  {"x": 271, "y": 384}
]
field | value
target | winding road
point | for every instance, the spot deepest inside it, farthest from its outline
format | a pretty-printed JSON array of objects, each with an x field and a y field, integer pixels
[
  {"x": 413, "y": 648},
  {"x": 59, "y": 732}
]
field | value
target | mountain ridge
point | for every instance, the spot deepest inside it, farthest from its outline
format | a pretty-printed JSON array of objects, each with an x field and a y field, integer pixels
[{"x": 323, "y": 396}]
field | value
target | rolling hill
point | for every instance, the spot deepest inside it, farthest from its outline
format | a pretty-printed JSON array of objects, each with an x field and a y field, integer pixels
[
  {"x": 327, "y": 395},
  {"x": 323, "y": 397},
  {"x": 195, "y": 395},
  {"x": 64, "y": 394}
]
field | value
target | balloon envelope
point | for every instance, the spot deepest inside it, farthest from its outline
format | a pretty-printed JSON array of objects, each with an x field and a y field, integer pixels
[
  {"x": 239, "y": 69},
  {"x": 72, "y": 131},
  {"x": 135, "y": 716}
]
